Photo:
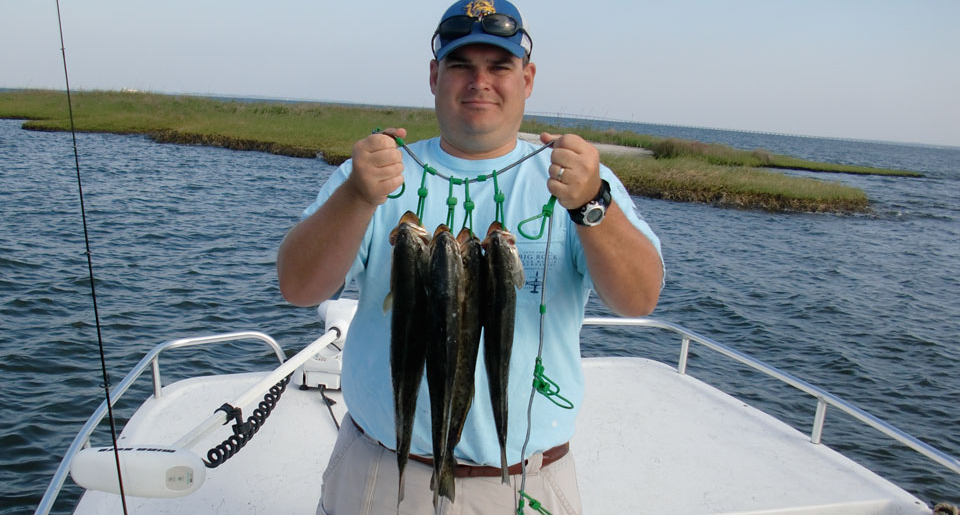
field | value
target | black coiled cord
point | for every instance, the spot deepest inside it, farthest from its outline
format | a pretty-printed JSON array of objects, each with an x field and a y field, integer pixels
[{"x": 244, "y": 431}]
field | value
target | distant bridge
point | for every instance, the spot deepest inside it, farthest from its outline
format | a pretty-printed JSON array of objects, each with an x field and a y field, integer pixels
[{"x": 544, "y": 114}]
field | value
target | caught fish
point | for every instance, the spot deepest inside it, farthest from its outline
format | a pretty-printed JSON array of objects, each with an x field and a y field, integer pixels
[
  {"x": 466, "y": 354},
  {"x": 503, "y": 274},
  {"x": 444, "y": 285},
  {"x": 408, "y": 349}
]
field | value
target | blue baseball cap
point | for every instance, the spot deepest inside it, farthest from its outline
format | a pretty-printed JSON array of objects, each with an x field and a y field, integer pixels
[{"x": 492, "y": 22}]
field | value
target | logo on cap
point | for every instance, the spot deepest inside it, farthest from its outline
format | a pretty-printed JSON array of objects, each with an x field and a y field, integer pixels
[{"x": 479, "y": 8}]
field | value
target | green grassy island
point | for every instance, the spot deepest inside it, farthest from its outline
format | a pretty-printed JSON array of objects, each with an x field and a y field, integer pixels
[{"x": 679, "y": 170}]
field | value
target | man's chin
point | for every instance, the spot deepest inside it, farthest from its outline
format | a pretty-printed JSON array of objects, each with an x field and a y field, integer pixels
[{"x": 483, "y": 123}]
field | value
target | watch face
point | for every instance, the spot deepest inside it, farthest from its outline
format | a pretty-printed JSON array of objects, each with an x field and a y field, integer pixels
[{"x": 593, "y": 215}]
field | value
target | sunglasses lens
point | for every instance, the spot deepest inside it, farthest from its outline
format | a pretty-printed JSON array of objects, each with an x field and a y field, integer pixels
[
  {"x": 496, "y": 24},
  {"x": 455, "y": 27},
  {"x": 499, "y": 25}
]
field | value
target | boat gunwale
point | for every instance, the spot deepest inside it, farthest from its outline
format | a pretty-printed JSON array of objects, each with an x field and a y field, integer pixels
[{"x": 824, "y": 398}]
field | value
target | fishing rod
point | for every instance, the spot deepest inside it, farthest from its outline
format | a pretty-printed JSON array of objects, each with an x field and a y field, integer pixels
[
  {"x": 93, "y": 290},
  {"x": 167, "y": 471}
]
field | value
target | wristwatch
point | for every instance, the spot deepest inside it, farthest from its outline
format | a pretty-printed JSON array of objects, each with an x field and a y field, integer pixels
[{"x": 592, "y": 213}]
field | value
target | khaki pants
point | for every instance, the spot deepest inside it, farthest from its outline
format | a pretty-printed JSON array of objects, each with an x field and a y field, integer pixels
[{"x": 361, "y": 479}]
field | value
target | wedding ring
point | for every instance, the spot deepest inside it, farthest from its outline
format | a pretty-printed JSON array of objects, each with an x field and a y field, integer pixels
[{"x": 560, "y": 174}]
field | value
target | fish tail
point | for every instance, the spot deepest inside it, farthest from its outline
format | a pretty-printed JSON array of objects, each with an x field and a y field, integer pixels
[
  {"x": 504, "y": 468},
  {"x": 447, "y": 486}
]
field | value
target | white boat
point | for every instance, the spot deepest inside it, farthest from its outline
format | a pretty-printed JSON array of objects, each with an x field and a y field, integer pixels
[{"x": 673, "y": 445}]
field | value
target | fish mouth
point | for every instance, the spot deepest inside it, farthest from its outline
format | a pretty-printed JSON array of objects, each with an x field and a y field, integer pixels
[
  {"x": 442, "y": 228},
  {"x": 494, "y": 227},
  {"x": 412, "y": 221},
  {"x": 464, "y": 235},
  {"x": 497, "y": 228},
  {"x": 410, "y": 218}
]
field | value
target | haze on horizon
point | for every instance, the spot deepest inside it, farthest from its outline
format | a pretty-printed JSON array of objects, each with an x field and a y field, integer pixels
[{"x": 875, "y": 70}]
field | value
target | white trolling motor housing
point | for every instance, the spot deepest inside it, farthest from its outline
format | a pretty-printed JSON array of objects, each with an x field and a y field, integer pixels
[
  {"x": 325, "y": 367},
  {"x": 319, "y": 371},
  {"x": 337, "y": 314},
  {"x": 147, "y": 471}
]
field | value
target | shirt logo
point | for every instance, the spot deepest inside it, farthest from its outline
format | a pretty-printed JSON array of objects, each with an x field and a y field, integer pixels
[
  {"x": 533, "y": 255},
  {"x": 480, "y": 8}
]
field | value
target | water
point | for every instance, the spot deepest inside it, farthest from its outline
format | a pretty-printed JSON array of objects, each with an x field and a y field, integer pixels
[{"x": 184, "y": 242}]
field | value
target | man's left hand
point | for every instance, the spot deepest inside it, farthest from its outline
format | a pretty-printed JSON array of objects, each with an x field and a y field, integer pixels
[{"x": 575, "y": 170}]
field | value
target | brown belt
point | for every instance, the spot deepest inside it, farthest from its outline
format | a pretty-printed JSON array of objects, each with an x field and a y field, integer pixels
[{"x": 462, "y": 470}]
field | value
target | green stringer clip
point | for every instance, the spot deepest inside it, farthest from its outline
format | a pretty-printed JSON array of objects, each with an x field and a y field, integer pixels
[
  {"x": 548, "y": 388},
  {"x": 467, "y": 207},
  {"x": 534, "y": 504},
  {"x": 422, "y": 191},
  {"x": 544, "y": 216},
  {"x": 452, "y": 202},
  {"x": 498, "y": 198}
]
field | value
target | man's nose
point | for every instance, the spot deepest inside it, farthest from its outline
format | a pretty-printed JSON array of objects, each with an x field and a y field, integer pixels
[{"x": 480, "y": 79}]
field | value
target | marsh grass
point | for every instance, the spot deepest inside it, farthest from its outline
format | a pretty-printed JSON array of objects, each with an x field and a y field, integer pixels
[
  {"x": 294, "y": 129},
  {"x": 689, "y": 179},
  {"x": 713, "y": 153},
  {"x": 624, "y": 138},
  {"x": 683, "y": 170}
]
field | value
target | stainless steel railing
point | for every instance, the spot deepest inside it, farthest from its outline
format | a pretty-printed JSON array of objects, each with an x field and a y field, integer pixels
[
  {"x": 824, "y": 398},
  {"x": 152, "y": 359}
]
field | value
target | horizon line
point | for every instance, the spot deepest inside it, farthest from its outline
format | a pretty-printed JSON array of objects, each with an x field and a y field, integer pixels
[{"x": 542, "y": 114}]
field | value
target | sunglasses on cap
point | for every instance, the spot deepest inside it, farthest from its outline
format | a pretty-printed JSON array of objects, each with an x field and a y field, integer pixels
[{"x": 496, "y": 24}]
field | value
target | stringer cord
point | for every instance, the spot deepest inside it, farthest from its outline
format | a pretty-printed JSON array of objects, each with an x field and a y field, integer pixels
[
  {"x": 93, "y": 291},
  {"x": 445, "y": 177},
  {"x": 533, "y": 391}
]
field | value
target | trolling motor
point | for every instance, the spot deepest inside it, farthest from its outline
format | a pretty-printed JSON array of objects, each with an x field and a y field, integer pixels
[
  {"x": 323, "y": 370},
  {"x": 147, "y": 471}
]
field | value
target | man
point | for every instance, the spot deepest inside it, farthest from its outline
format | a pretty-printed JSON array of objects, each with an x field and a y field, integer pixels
[{"x": 481, "y": 78}]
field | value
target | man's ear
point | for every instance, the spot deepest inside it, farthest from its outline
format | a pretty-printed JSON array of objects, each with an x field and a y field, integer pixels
[
  {"x": 529, "y": 71},
  {"x": 434, "y": 70}
]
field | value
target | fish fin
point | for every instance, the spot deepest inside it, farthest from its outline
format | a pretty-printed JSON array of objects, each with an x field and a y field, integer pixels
[
  {"x": 504, "y": 472},
  {"x": 518, "y": 278},
  {"x": 388, "y": 302},
  {"x": 447, "y": 486}
]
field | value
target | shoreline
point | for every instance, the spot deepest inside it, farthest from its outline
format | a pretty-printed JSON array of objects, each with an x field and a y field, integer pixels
[
  {"x": 653, "y": 167},
  {"x": 603, "y": 148}
]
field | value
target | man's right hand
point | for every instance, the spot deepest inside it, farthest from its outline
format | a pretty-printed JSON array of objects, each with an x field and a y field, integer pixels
[{"x": 377, "y": 166}]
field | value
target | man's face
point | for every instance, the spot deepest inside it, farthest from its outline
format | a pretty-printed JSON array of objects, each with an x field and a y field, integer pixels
[{"x": 480, "y": 93}]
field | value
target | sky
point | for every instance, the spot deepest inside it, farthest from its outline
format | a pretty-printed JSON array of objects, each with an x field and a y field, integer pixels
[{"x": 871, "y": 69}]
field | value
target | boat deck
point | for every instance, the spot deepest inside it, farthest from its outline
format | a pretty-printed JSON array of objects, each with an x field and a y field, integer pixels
[
  {"x": 679, "y": 446},
  {"x": 690, "y": 448}
]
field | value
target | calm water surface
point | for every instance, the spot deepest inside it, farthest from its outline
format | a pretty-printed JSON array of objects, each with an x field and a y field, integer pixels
[{"x": 184, "y": 243}]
